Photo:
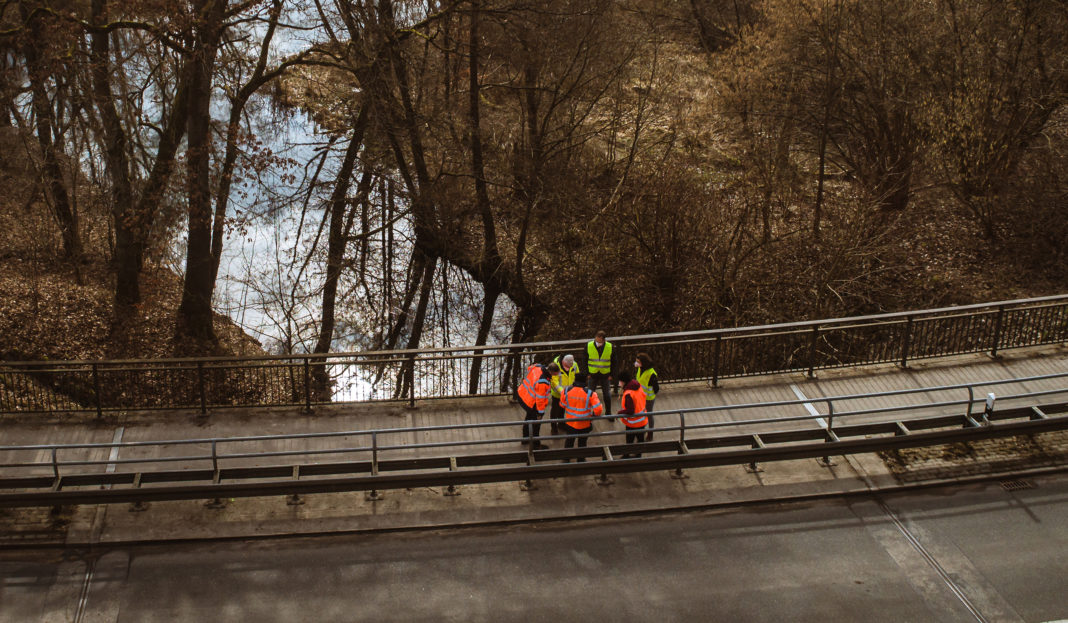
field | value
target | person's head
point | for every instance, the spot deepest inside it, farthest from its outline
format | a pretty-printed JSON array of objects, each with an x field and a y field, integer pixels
[
  {"x": 599, "y": 338},
  {"x": 643, "y": 360},
  {"x": 552, "y": 369},
  {"x": 624, "y": 376},
  {"x": 567, "y": 362},
  {"x": 580, "y": 379}
]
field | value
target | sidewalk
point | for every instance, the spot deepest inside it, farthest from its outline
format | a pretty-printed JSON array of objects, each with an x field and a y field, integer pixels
[{"x": 552, "y": 499}]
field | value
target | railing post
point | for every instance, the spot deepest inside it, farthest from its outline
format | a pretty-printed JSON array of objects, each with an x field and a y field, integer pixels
[
  {"x": 411, "y": 380},
  {"x": 906, "y": 343},
  {"x": 812, "y": 351},
  {"x": 997, "y": 331},
  {"x": 307, "y": 386},
  {"x": 96, "y": 386},
  {"x": 715, "y": 361},
  {"x": 203, "y": 393}
]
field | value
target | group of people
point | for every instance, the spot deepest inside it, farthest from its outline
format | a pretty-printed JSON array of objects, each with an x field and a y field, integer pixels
[{"x": 567, "y": 389}]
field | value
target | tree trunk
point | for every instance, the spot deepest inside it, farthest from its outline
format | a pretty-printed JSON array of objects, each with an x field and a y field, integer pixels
[
  {"x": 336, "y": 242},
  {"x": 46, "y": 127},
  {"x": 194, "y": 332},
  {"x": 132, "y": 222}
]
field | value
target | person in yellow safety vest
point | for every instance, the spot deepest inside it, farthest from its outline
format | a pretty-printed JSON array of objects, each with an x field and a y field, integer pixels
[
  {"x": 580, "y": 407},
  {"x": 601, "y": 362},
  {"x": 533, "y": 394},
  {"x": 632, "y": 411},
  {"x": 563, "y": 380},
  {"x": 646, "y": 375}
]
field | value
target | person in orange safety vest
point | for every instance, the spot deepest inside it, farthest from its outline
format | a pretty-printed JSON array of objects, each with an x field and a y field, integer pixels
[
  {"x": 633, "y": 413},
  {"x": 533, "y": 394},
  {"x": 580, "y": 405}
]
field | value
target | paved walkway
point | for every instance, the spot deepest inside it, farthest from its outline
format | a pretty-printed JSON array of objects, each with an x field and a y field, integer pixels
[{"x": 501, "y": 502}]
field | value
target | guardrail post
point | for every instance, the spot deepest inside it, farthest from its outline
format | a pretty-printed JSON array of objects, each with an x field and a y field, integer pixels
[
  {"x": 307, "y": 387},
  {"x": 906, "y": 343},
  {"x": 200, "y": 383},
  {"x": 826, "y": 461},
  {"x": 677, "y": 474},
  {"x": 997, "y": 331},
  {"x": 812, "y": 351},
  {"x": 715, "y": 361},
  {"x": 96, "y": 388}
]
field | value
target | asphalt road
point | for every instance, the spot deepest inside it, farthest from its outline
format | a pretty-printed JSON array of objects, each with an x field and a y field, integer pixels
[{"x": 976, "y": 553}]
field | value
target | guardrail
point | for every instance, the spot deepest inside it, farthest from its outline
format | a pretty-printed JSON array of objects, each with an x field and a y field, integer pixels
[
  {"x": 306, "y": 381},
  {"x": 383, "y": 464}
]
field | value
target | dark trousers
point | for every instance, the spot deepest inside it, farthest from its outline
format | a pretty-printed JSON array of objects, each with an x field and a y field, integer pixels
[
  {"x": 600, "y": 381},
  {"x": 635, "y": 435},
  {"x": 532, "y": 426},
  {"x": 557, "y": 413},
  {"x": 582, "y": 435},
  {"x": 649, "y": 407}
]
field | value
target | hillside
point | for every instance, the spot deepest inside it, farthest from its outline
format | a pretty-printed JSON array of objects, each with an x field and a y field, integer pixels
[{"x": 51, "y": 309}]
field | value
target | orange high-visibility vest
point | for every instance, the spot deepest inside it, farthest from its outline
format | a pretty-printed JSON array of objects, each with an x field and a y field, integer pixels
[
  {"x": 534, "y": 392},
  {"x": 639, "y": 418},
  {"x": 579, "y": 405}
]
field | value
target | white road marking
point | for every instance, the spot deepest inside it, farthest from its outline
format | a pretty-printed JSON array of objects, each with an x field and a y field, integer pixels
[
  {"x": 115, "y": 449},
  {"x": 812, "y": 410}
]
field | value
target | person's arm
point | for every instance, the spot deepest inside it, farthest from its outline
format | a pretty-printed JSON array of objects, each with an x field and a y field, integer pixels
[
  {"x": 595, "y": 402},
  {"x": 628, "y": 405},
  {"x": 654, "y": 384}
]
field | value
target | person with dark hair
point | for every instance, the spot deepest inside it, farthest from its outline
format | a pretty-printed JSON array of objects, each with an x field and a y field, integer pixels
[
  {"x": 533, "y": 394},
  {"x": 632, "y": 411},
  {"x": 601, "y": 362},
  {"x": 580, "y": 407},
  {"x": 646, "y": 376}
]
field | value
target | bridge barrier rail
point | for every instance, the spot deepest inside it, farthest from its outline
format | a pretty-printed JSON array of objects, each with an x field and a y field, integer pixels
[
  {"x": 379, "y": 448},
  {"x": 201, "y": 385}
]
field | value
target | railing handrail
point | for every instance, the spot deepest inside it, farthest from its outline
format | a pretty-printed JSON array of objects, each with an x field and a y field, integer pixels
[
  {"x": 385, "y": 355},
  {"x": 516, "y": 423}
]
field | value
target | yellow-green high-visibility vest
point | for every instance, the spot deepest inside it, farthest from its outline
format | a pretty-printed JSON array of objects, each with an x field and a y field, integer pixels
[
  {"x": 644, "y": 377},
  {"x": 566, "y": 378},
  {"x": 599, "y": 364}
]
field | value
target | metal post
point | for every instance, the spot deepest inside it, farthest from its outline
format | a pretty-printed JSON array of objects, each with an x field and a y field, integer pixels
[
  {"x": 411, "y": 380},
  {"x": 96, "y": 385},
  {"x": 907, "y": 342},
  {"x": 997, "y": 331},
  {"x": 307, "y": 387},
  {"x": 812, "y": 351},
  {"x": 200, "y": 383},
  {"x": 715, "y": 361}
]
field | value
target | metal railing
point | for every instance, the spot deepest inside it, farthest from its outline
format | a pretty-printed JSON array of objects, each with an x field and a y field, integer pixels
[
  {"x": 409, "y": 375},
  {"x": 375, "y": 459}
]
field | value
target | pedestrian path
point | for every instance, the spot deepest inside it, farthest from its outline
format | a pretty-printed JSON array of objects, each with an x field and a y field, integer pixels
[{"x": 431, "y": 419}]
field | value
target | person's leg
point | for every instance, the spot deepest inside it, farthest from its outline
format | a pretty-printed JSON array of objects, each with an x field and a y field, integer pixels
[
  {"x": 556, "y": 413},
  {"x": 583, "y": 437},
  {"x": 649, "y": 407},
  {"x": 528, "y": 424},
  {"x": 632, "y": 438},
  {"x": 639, "y": 433},
  {"x": 606, "y": 392}
]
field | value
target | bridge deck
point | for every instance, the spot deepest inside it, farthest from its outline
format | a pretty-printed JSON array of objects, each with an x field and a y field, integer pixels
[{"x": 872, "y": 379}]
